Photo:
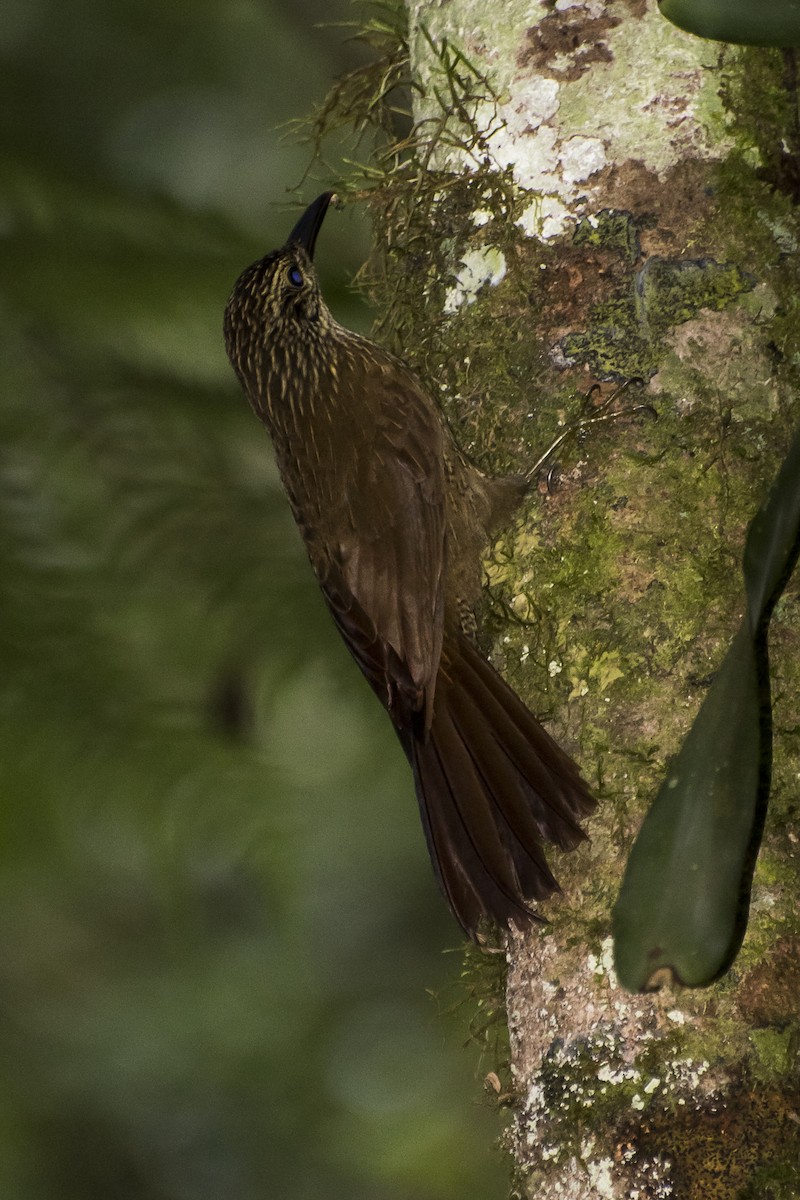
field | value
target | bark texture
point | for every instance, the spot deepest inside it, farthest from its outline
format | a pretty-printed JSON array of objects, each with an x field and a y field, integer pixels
[{"x": 614, "y": 198}]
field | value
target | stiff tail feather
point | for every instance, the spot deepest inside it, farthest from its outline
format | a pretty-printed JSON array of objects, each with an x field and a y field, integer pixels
[{"x": 492, "y": 787}]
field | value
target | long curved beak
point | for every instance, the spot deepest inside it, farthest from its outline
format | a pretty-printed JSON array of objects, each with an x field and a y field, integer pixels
[{"x": 306, "y": 230}]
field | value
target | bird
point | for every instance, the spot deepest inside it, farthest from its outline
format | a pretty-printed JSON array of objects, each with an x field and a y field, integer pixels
[{"x": 395, "y": 520}]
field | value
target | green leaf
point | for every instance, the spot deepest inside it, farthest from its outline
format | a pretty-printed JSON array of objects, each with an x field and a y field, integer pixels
[
  {"x": 683, "y": 903},
  {"x": 747, "y": 22},
  {"x": 773, "y": 539},
  {"x": 680, "y": 897}
]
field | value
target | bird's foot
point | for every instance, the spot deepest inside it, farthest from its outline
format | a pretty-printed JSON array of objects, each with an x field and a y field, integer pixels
[{"x": 605, "y": 411}]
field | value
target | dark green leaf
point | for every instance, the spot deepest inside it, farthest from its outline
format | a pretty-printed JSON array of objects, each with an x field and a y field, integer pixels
[
  {"x": 747, "y": 22},
  {"x": 684, "y": 898}
]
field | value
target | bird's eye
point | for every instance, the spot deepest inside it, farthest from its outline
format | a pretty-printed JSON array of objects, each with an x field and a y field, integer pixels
[{"x": 295, "y": 276}]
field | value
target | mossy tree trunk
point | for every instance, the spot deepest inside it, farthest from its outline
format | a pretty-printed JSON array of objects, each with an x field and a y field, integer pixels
[{"x": 605, "y": 197}]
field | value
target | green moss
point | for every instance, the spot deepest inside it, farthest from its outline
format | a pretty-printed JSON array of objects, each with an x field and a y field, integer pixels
[
  {"x": 774, "y": 1053},
  {"x": 671, "y": 291},
  {"x": 757, "y": 91},
  {"x": 610, "y": 230},
  {"x": 720, "y": 1151},
  {"x": 615, "y": 345},
  {"x": 587, "y": 1086},
  {"x": 759, "y": 190},
  {"x": 777, "y": 1181},
  {"x": 625, "y": 331}
]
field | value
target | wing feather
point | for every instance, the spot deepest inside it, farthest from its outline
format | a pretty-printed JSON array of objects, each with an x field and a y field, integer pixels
[{"x": 384, "y": 562}]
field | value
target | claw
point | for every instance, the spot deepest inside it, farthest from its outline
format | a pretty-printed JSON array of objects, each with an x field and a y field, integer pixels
[{"x": 603, "y": 412}]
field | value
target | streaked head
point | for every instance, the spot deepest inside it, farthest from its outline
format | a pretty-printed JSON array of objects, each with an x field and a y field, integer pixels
[{"x": 276, "y": 298}]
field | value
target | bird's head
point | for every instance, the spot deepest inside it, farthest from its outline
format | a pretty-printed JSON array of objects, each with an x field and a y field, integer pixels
[{"x": 277, "y": 301}]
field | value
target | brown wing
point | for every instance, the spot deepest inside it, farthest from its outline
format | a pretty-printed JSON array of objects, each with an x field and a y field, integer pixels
[{"x": 383, "y": 574}]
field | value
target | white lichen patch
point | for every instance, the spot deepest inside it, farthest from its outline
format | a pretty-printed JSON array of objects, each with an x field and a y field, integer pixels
[
  {"x": 586, "y": 1075},
  {"x": 617, "y": 1075},
  {"x": 692, "y": 1077},
  {"x": 485, "y": 265},
  {"x": 603, "y": 963},
  {"x": 594, "y": 964},
  {"x": 581, "y": 157},
  {"x": 601, "y": 1177},
  {"x": 572, "y": 1078},
  {"x": 533, "y": 156},
  {"x": 547, "y": 217}
]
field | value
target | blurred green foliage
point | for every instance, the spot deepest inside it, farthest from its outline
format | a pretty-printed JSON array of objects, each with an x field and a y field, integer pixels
[{"x": 217, "y": 918}]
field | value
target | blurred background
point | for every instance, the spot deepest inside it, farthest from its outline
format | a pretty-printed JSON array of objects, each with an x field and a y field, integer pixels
[{"x": 223, "y": 967}]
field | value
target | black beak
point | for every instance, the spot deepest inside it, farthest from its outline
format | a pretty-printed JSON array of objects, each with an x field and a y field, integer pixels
[{"x": 306, "y": 230}]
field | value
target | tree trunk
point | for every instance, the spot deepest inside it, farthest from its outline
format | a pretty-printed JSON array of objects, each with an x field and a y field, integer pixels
[{"x": 600, "y": 197}]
